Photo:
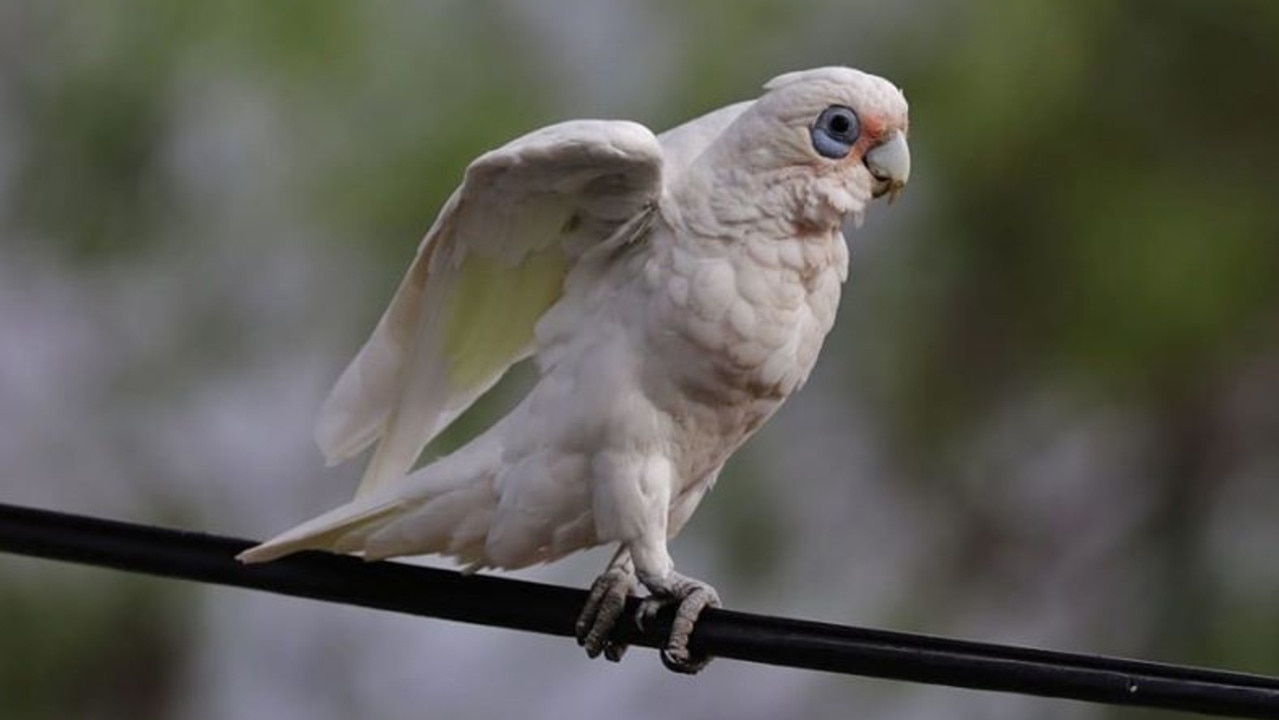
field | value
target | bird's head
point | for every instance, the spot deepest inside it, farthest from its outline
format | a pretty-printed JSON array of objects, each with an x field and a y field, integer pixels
[{"x": 819, "y": 145}]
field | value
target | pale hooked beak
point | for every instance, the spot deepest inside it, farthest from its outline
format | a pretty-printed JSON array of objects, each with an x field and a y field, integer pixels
[{"x": 889, "y": 164}]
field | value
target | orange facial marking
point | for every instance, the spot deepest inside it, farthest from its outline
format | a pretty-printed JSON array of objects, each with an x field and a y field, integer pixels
[
  {"x": 873, "y": 129},
  {"x": 872, "y": 125}
]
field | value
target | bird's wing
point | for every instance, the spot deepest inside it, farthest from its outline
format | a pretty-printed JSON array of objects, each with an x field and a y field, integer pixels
[{"x": 494, "y": 261}]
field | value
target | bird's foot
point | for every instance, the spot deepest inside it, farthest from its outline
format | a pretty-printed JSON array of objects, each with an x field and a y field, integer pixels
[
  {"x": 603, "y": 607},
  {"x": 690, "y": 597}
]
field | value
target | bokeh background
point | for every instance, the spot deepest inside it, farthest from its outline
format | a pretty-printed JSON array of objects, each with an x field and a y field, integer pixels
[{"x": 1049, "y": 413}]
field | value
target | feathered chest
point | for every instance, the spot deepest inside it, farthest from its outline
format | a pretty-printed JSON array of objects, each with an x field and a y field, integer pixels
[{"x": 743, "y": 321}]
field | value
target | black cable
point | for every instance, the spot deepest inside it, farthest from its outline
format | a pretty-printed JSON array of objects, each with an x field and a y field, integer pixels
[{"x": 552, "y": 610}]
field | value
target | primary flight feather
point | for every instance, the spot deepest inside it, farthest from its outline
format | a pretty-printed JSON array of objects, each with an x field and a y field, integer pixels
[{"x": 673, "y": 291}]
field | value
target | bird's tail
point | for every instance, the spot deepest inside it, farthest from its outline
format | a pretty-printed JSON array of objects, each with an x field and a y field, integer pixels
[
  {"x": 341, "y": 530},
  {"x": 446, "y": 507}
]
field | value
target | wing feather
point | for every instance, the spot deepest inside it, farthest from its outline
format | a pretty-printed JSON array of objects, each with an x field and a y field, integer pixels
[{"x": 492, "y": 264}]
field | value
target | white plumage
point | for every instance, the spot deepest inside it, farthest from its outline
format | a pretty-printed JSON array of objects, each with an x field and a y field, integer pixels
[{"x": 673, "y": 291}]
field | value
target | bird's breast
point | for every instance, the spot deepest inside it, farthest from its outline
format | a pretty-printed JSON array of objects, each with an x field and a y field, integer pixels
[{"x": 742, "y": 323}]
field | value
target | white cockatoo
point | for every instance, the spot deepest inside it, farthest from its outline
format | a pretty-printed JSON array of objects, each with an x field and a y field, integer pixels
[{"x": 673, "y": 290}]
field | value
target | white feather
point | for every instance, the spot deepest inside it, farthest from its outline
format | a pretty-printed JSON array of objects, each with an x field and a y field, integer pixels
[{"x": 557, "y": 190}]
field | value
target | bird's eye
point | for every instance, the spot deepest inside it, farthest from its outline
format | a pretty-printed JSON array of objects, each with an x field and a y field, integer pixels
[{"x": 835, "y": 132}]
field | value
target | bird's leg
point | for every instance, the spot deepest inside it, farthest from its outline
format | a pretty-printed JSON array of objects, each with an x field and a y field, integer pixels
[
  {"x": 604, "y": 606},
  {"x": 690, "y": 596}
]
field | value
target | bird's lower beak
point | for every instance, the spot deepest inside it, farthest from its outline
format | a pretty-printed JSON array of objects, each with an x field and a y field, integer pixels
[{"x": 889, "y": 164}]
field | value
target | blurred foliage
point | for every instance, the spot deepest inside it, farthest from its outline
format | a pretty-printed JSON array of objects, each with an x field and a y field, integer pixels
[
  {"x": 90, "y": 646},
  {"x": 1104, "y": 227},
  {"x": 1094, "y": 222},
  {"x": 1105, "y": 202}
]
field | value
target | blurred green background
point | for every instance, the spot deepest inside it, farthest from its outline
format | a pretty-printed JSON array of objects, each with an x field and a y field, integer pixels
[{"x": 1049, "y": 413}]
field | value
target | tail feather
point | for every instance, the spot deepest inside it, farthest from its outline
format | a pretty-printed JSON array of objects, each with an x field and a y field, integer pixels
[
  {"x": 340, "y": 530},
  {"x": 455, "y": 523},
  {"x": 446, "y": 507}
]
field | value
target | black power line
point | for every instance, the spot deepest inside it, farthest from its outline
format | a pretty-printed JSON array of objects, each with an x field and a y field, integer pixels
[{"x": 535, "y": 607}]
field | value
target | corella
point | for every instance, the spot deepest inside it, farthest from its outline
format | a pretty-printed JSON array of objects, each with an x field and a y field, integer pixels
[{"x": 672, "y": 289}]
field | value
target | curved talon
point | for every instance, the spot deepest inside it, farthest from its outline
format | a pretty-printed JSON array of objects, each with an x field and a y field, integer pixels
[
  {"x": 685, "y": 662},
  {"x": 692, "y": 597},
  {"x": 614, "y": 651},
  {"x": 603, "y": 607}
]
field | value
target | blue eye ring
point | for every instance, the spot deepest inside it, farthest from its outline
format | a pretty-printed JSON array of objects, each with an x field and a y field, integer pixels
[{"x": 835, "y": 132}]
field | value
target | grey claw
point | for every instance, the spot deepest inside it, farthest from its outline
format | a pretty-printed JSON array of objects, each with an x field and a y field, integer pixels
[
  {"x": 684, "y": 662},
  {"x": 613, "y": 652},
  {"x": 603, "y": 607},
  {"x": 692, "y": 597}
]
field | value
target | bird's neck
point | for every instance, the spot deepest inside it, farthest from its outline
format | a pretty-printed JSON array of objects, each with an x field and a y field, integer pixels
[{"x": 716, "y": 200}]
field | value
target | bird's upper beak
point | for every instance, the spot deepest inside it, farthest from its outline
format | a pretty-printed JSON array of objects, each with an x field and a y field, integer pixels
[{"x": 889, "y": 164}]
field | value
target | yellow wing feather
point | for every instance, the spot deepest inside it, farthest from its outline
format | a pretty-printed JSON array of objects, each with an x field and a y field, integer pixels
[
  {"x": 494, "y": 262},
  {"x": 506, "y": 316}
]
